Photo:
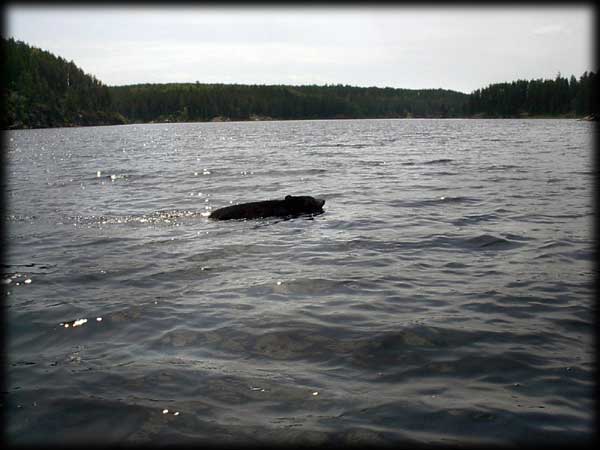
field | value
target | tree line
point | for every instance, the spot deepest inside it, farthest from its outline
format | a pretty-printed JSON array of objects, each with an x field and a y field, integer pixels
[
  {"x": 203, "y": 102},
  {"x": 42, "y": 90},
  {"x": 560, "y": 97}
]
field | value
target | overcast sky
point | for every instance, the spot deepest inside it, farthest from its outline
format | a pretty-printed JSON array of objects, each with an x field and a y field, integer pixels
[{"x": 404, "y": 47}]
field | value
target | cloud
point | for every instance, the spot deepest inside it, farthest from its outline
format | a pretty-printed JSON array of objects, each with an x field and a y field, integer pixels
[
  {"x": 456, "y": 48},
  {"x": 548, "y": 30}
]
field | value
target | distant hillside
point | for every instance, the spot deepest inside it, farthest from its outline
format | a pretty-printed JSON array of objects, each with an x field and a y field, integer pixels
[
  {"x": 560, "y": 97},
  {"x": 202, "y": 102},
  {"x": 42, "y": 90}
]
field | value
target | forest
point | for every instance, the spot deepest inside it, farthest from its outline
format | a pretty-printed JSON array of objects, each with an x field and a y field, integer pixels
[
  {"x": 560, "y": 97},
  {"x": 42, "y": 90},
  {"x": 203, "y": 102}
]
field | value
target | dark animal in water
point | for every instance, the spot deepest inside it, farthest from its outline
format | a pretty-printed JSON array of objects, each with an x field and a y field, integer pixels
[{"x": 291, "y": 206}]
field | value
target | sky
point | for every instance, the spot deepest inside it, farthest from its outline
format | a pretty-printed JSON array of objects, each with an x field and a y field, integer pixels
[{"x": 459, "y": 48}]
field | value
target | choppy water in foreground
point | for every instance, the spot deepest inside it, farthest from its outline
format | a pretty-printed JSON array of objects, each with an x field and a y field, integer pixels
[{"x": 445, "y": 295}]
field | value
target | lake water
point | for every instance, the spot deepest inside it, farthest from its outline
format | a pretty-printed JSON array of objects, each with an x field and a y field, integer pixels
[{"x": 445, "y": 296}]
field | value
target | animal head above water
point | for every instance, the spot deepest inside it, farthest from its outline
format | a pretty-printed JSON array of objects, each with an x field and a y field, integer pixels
[{"x": 304, "y": 204}]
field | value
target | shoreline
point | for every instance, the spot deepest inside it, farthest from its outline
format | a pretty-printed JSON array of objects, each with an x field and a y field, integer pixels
[{"x": 588, "y": 118}]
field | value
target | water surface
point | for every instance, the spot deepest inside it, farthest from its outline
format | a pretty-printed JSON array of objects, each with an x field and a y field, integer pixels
[{"x": 445, "y": 295}]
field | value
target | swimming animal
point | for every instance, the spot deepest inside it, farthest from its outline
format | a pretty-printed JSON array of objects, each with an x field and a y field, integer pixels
[{"x": 290, "y": 206}]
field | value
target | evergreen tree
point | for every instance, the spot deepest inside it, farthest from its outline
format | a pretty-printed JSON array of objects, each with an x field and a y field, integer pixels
[{"x": 42, "y": 90}]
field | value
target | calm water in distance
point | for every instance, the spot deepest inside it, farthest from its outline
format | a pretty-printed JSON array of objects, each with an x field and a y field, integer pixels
[{"x": 445, "y": 295}]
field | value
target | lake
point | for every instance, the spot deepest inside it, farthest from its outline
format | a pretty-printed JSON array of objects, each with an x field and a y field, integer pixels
[{"x": 445, "y": 296}]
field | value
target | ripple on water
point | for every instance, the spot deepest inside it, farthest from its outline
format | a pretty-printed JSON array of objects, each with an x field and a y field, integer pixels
[{"x": 443, "y": 296}]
